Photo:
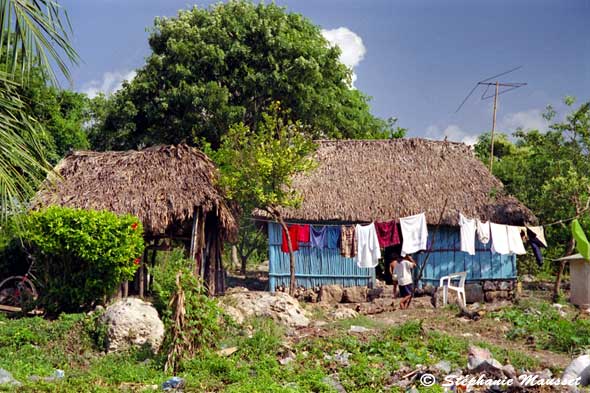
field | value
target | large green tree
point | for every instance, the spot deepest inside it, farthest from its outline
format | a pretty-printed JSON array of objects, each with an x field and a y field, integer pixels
[
  {"x": 33, "y": 33},
  {"x": 216, "y": 67}
]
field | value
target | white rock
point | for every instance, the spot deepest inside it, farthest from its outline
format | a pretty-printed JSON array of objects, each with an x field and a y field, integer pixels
[
  {"x": 579, "y": 367},
  {"x": 343, "y": 313},
  {"x": 358, "y": 329},
  {"x": 279, "y": 306},
  {"x": 132, "y": 322}
]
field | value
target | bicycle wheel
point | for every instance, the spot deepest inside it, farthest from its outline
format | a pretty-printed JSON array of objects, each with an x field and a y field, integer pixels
[{"x": 17, "y": 291}]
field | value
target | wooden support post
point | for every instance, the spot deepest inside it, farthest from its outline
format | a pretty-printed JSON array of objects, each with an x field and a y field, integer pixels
[{"x": 126, "y": 289}]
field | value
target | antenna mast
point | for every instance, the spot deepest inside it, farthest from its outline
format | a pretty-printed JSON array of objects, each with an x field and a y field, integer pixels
[{"x": 508, "y": 86}]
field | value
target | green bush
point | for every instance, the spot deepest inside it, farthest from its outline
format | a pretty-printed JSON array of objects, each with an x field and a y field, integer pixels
[{"x": 82, "y": 255}]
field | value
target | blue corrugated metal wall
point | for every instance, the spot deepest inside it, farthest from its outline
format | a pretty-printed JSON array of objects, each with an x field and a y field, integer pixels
[{"x": 315, "y": 267}]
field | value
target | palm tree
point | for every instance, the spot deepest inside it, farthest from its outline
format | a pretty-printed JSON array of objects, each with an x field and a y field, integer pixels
[{"x": 33, "y": 33}]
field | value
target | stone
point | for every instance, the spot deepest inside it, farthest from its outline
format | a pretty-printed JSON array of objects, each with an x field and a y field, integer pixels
[
  {"x": 509, "y": 370},
  {"x": 343, "y": 313},
  {"x": 310, "y": 296},
  {"x": 174, "y": 383},
  {"x": 493, "y": 296},
  {"x": 132, "y": 322},
  {"x": 506, "y": 285},
  {"x": 234, "y": 314},
  {"x": 278, "y": 306},
  {"x": 331, "y": 294},
  {"x": 375, "y": 293},
  {"x": 578, "y": 368},
  {"x": 480, "y": 360},
  {"x": 333, "y": 382},
  {"x": 429, "y": 289},
  {"x": 489, "y": 285},
  {"x": 6, "y": 378},
  {"x": 437, "y": 299},
  {"x": 474, "y": 293},
  {"x": 227, "y": 351},
  {"x": 528, "y": 278},
  {"x": 355, "y": 295},
  {"x": 443, "y": 367},
  {"x": 358, "y": 329}
]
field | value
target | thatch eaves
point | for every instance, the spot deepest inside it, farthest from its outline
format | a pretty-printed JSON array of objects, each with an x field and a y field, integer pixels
[
  {"x": 161, "y": 185},
  {"x": 367, "y": 180}
]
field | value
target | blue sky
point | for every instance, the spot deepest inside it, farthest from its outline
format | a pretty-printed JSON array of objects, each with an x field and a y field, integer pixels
[{"x": 417, "y": 59}]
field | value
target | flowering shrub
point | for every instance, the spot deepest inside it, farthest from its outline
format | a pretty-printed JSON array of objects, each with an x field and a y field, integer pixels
[{"x": 82, "y": 255}]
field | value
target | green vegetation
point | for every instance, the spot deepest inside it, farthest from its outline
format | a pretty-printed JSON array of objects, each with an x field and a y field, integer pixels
[
  {"x": 82, "y": 255},
  {"x": 549, "y": 330},
  {"x": 211, "y": 69},
  {"x": 549, "y": 172},
  {"x": 34, "y": 34},
  {"x": 34, "y": 346}
]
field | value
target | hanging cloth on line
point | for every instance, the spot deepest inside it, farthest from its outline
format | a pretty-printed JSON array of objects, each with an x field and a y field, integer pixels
[
  {"x": 499, "y": 239},
  {"x": 536, "y": 244},
  {"x": 294, "y": 234},
  {"x": 539, "y": 233},
  {"x": 467, "y": 234},
  {"x": 332, "y": 236},
  {"x": 483, "y": 231},
  {"x": 387, "y": 233},
  {"x": 515, "y": 240},
  {"x": 303, "y": 233},
  {"x": 318, "y": 237},
  {"x": 347, "y": 241},
  {"x": 368, "y": 251},
  {"x": 414, "y": 233}
]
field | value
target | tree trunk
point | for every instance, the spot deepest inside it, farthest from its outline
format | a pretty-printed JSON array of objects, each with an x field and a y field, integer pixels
[
  {"x": 244, "y": 263},
  {"x": 292, "y": 283},
  {"x": 569, "y": 251},
  {"x": 234, "y": 257}
]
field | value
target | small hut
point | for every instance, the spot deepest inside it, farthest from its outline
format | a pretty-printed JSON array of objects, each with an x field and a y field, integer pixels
[
  {"x": 360, "y": 181},
  {"x": 172, "y": 189}
]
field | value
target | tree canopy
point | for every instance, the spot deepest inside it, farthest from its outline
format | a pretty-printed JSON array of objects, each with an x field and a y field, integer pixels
[{"x": 212, "y": 68}]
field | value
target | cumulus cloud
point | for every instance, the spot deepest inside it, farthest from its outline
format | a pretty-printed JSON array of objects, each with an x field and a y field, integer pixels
[
  {"x": 350, "y": 44},
  {"x": 453, "y": 133},
  {"x": 110, "y": 83},
  {"x": 527, "y": 120}
]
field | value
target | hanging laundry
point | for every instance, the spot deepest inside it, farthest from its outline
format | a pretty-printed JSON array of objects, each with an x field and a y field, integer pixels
[
  {"x": 294, "y": 234},
  {"x": 467, "y": 234},
  {"x": 387, "y": 233},
  {"x": 539, "y": 233},
  {"x": 483, "y": 232},
  {"x": 535, "y": 244},
  {"x": 303, "y": 233},
  {"x": 582, "y": 244},
  {"x": 515, "y": 240},
  {"x": 368, "y": 251},
  {"x": 414, "y": 232},
  {"x": 318, "y": 236},
  {"x": 499, "y": 235},
  {"x": 347, "y": 241},
  {"x": 333, "y": 236}
]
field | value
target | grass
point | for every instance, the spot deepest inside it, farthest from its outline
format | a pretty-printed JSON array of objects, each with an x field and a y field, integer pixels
[
  {"x": 34, "y": 346},
  {"x": 542, "y": 322}
]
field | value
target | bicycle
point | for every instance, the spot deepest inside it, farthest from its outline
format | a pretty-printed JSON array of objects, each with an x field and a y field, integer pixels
[{"x": 19, "y": 291}]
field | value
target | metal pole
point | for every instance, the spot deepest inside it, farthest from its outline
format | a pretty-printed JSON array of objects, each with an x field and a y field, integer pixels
[{"x": 493, "y": 129}]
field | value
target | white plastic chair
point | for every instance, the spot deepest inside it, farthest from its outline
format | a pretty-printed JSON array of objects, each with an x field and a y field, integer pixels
[{"x": 446, "y": 283}]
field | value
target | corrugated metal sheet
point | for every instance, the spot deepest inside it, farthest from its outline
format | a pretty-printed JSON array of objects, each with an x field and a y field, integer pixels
[{"x": 316, "y": 267}]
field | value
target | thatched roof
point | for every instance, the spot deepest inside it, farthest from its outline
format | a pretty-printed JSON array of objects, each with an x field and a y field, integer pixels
[
  {"x": 362, "y": 181},
  {"x": 161, "y": 185}
]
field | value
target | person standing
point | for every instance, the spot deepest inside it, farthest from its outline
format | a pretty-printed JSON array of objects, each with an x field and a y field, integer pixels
[{"x": 403, "y": 270}]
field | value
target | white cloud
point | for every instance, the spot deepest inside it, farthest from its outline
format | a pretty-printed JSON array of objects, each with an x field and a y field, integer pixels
[
  {"x": 453, "y": 133},
  {"x": 351, "y": 45},
  {"x": 527, "y": 120},
  {"x": 110, "y": 83}
]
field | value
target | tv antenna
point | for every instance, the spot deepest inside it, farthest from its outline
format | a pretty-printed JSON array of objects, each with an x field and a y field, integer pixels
[{"x": 500, "y": 88}]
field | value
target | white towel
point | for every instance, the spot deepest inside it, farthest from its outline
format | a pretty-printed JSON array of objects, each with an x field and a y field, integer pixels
[
  {"x": 467, "y": 234},
  {"x": 499, "y": 238},
  {"x": 515, "y": 241},
  {"x": 483, "y": 231},
  {"x": 414, "y": 233},
  {"x": 540, "y": 232},
  {"x": 368, "y": 252}
]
